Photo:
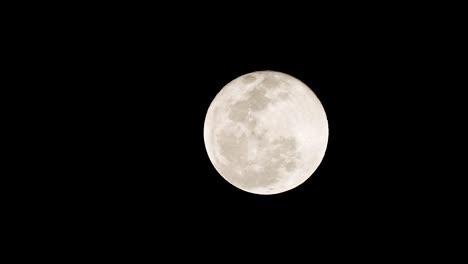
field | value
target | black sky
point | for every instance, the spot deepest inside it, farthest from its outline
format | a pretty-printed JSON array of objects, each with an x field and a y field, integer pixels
[{"x": 143, "y": 86}]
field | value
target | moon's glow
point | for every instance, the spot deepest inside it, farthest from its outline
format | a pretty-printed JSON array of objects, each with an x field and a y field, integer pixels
[{"x": 266, "y": 132}]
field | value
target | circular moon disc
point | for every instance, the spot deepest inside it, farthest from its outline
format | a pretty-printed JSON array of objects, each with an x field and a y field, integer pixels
[{"x": 266, "y": 132}]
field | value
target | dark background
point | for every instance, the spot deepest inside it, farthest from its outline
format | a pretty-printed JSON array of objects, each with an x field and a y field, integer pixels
[
  {"x": 151, "y": 103},
  {"x": 134, "y": 88}
]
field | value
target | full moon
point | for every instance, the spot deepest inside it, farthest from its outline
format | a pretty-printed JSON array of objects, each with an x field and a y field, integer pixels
[{"x": 266, "y": 132}]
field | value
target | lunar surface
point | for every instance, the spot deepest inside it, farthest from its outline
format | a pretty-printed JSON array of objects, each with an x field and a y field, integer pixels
[{"x": 266, "y": 132}]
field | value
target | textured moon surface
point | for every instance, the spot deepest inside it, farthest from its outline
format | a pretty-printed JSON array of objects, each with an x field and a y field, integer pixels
[{"x": 266, "y": 132}]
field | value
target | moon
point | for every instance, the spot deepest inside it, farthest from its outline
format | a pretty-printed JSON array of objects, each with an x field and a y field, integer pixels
[{"x": 266, "y": 132}]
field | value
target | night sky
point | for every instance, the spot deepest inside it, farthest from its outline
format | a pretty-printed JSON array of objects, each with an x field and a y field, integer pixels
[{"x": 141, "y": 86}]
